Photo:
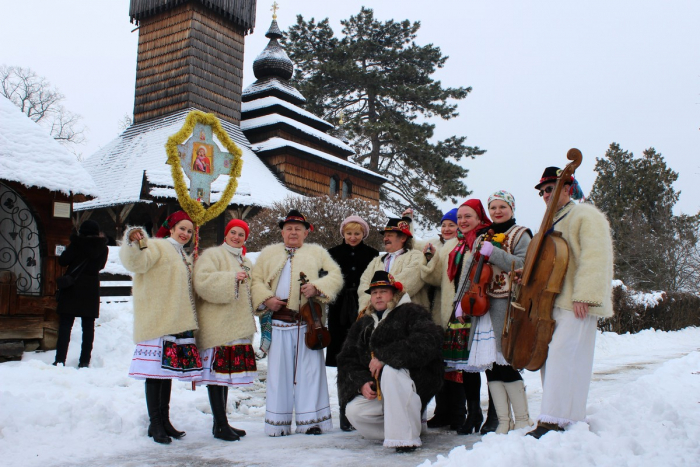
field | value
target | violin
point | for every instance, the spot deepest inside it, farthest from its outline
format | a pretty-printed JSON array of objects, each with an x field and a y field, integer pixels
[
  {"x": 475, "y": 302},
  {"x": 317, "y": 336}
]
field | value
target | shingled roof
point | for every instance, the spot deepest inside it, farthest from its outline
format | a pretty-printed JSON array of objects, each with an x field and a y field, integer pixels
[
  {"x": 138, "y": 155},
  {"x": 30, "y": 156}
]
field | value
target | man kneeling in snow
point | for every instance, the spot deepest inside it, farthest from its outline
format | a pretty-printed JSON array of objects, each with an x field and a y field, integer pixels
[{"x": 390, "y": 366}]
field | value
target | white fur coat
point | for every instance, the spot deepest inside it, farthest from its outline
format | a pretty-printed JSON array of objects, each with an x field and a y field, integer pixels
[
  {"x": 163, "y": 301},
  {"x": 309, "y": 259},
  {"x": 222, "y": 317},
  {"x": 435, "y": 273},
  {"x": 406, "y": 269},
  {"x": 589, "y": 276}
]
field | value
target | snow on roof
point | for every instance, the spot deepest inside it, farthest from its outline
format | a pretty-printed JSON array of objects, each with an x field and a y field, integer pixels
[
  {"x": 277, "y": 142},
  {"x": 273, "y": 82},
  {"x": 270, "y": 101},
  {"x": 119, "y": 167},
  {"x": 30, "y": 156},
  {"x": 267, "y": 120}
]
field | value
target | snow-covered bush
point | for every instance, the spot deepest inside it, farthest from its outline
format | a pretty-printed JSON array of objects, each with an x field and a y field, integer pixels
[
  {"x": 636, "y": 311},
  {"x": 325, "y": 213}
]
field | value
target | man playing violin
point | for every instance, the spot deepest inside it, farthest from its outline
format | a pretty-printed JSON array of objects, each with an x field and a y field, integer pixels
[
  {"x": 390, "y": 366},
  {"x": 296, "y": 380},
  {"x": 585, "y": 297}
]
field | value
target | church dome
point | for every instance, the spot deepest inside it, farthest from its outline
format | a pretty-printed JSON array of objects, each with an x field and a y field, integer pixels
[{"x": 273, "y": 60}]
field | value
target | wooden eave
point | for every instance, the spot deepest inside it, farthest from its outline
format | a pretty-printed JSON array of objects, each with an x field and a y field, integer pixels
[
  {"x": 274, "y": 92},
  {"x": 287, "y": 112},
  {"x": 293, "y": 151},
  {"x": 239, "y": 12},
  {"x": 296, "y": 132}
]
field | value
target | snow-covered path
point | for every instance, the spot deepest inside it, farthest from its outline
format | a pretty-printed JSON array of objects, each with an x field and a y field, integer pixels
[{"x": 643, "y": 405}]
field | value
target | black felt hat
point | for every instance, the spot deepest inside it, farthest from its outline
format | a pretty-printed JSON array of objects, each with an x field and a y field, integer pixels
[
  {"x": 402, "y": 225},
  {"x": 383, "y": 279},
  {"x": 550, "y": 174},
  {"x": 296, "y": 216}
]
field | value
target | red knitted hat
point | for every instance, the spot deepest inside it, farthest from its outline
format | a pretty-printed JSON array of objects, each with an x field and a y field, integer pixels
[
  {"x": 171, "y": 222},
  {"x": 237, "y": 223}
]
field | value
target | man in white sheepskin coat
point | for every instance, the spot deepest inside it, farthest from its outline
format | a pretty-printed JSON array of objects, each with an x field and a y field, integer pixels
[
  {"x": 296, "y": 381},
  {"x": 585, "y": 296}
]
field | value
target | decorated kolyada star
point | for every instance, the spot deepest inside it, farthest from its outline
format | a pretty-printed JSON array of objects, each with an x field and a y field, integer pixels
[{"x": 203, "y": 162}]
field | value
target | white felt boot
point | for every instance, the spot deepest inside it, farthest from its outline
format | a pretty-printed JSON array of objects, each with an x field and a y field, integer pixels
[
  {"x": 500, "y": 402},
  {"x": 518, "y": 400}
]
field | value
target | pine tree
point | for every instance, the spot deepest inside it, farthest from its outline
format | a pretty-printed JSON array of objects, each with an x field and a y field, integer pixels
[
  {"x": 380, "y": 80},
  {"x": 653, "y": 248}
]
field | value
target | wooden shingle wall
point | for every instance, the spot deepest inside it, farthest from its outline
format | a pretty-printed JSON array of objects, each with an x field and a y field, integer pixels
[
  {"x": 313, "y": 179},
  {"x": 189, "y": 56}
]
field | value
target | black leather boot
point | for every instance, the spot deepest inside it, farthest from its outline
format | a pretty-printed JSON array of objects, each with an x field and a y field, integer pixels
[
  {"x": 491, "y": 419},
  {"x": 440, "y": 416},
  {"x": 457, "y": 405},
  {"x": 166, "y": 389},
  {"x": 155, "y": 429},
  {"x": 474, "y": 418},
  {"x": 221, "y": 428},
  {"x": 238, "y": 431},
  {"x": 345, "y": 424}
]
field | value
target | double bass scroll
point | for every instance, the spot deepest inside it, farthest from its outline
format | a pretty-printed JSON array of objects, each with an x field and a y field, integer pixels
[{"x": 528, "y": 327}]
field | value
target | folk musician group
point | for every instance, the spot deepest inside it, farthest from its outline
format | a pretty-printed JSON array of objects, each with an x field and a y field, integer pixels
[{"x": 399, "y": 327}]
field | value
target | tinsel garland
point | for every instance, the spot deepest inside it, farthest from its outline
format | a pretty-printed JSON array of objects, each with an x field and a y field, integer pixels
[{"x": 198, "y": 213}]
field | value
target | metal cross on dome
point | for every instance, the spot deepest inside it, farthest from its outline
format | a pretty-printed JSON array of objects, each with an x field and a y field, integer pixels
[{"x": 203, "y": 162}]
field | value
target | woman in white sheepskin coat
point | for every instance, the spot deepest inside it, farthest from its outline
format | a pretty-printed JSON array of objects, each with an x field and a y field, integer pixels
[
  {"x": 226, "y": 323},
  {"x": 164, "y": 316}
]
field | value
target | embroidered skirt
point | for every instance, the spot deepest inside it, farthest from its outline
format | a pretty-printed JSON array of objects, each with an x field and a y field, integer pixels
[
  {"x": 230, "y": 365},
  {"x": 483, "y": 353},
  {"x": 455, "y": 350},
  {"x": 167, "y": 357}
]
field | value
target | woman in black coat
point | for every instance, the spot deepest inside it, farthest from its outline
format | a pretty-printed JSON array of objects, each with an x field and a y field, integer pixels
[
  {"x": 352, "y": 256},
  {"x": 85, "y": 256}
]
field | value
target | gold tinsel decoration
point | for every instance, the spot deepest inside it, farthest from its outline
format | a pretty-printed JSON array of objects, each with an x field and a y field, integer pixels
[{"x": 198, "y": 213}]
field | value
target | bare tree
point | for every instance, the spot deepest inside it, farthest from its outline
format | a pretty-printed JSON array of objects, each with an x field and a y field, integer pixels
[
  {"x": 42, "y": 103},
  {"x": 124, "y": 123}
]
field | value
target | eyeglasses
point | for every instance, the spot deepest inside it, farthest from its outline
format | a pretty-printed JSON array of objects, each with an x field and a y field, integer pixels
[{"x": 547, "y": 190}]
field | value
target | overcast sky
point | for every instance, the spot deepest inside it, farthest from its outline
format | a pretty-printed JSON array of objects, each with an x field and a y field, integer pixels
[{"x": 546, "y": 76}]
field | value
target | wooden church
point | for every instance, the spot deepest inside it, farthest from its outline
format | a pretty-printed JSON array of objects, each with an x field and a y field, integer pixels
[{"x": 190, "y": 57}]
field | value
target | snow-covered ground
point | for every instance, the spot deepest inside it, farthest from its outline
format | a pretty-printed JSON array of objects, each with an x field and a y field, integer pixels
[{"x": 644, "y": 410}]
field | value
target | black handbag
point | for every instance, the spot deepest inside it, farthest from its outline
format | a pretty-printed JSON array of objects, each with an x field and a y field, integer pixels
[{"x": 68, "y": 280}]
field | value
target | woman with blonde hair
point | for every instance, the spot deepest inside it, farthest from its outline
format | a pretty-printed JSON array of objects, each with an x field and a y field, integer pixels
[
  {"x": 164, "y": 316},
  {"x": 226, "y": 323},
  {"x": 353, "y": 256}
]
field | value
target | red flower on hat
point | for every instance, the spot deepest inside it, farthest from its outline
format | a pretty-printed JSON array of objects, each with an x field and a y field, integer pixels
[{"x": 396, "y": 284}]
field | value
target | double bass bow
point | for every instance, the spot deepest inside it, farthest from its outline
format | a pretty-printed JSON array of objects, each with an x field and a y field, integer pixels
[
  {"x": 528, "y": 327},
  {"x": 317, "y": 336}
]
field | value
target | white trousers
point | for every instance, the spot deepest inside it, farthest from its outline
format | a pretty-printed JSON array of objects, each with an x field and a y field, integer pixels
[
  {"x": 566, "y": 375},
  {"x": 308, "y": 399},
  {"x": 396, "y": 418}
]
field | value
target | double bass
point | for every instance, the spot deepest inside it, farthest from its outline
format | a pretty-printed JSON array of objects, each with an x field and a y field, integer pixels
[
  {"x": 317, "y": 336},
  {"x": 528, "y": 327}
]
